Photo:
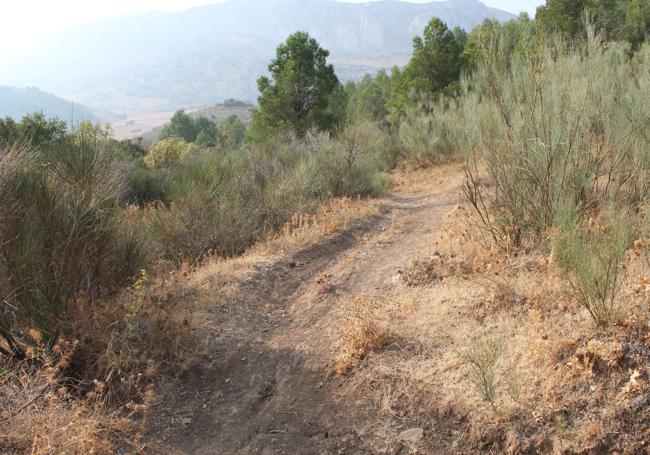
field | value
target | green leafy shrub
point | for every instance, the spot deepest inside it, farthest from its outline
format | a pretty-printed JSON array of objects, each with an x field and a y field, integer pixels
[{"x": 166, "y": 153}]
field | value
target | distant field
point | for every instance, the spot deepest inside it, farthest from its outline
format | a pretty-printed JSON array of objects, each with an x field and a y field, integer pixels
[{"x": 148, "y": 125}]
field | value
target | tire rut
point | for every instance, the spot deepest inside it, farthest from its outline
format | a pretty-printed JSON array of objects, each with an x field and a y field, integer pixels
[{"x": 261, "y": 391}]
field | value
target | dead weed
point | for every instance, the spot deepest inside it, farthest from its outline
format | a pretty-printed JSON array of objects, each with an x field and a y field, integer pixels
[{"x": 359, "y": 334}]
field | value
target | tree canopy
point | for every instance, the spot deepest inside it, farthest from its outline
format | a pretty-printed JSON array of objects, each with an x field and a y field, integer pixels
[
  {"x": 302, "y": 93},
  {"x": 231, "y": 132},
  {"x": 367, "y": 98},
  {"x": 34, "y": 129},
  {"x": 182, "y": 126},
  {"x": 434, "y": 68},
  {"x": 619, "y": 20}
]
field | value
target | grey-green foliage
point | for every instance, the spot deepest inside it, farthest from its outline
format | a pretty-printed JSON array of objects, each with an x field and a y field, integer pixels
[
  {"x": 591, "y": 256},
  {"x": 224, "y": 202},
  {"x": 426, "y": 134},
  {"x": 231, "y": 133},
  {"x": 349, "y": 163},
  {"x": 565, "y": 123},
  {"x": 61, "y": 230},
  {"x": 368, "y": 98},
  {"x": 480, "y": 361},
  {"x": 494, "y": 39}
]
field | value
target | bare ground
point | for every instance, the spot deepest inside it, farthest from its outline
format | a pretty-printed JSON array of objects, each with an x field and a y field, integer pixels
[{"x": 264, "y": 383}]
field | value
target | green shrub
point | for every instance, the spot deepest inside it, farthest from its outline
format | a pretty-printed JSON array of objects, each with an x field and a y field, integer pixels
[
  {"x": 591, "y": 257},
  {"x": 425, "y": 137},
  {"x": 349, "y": 163},
  {"x": 205, "y": 213},
  {"x": 563, "y": 124},
  {"x": 166, "y": 153},
  {"x": 61, "y": 231},
  {"x": 224, "y": 202},
  {"x": 144, "y": 185},
  {"x": 480, "y": 361}
]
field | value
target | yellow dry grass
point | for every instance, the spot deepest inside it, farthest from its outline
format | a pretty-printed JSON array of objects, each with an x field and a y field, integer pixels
[
  {"x": 304, "y": 229},
  {"x": 43, "y": 412},
  {"x": 561, "y": 383},
  {"x": 359, "y": 333},
  {"x": 165, "y": 315},
  {"x": 405, "y": 180}
]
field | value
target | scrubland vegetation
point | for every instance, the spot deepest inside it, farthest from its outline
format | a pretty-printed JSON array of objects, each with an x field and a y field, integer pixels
[{"x": 549, "y": 118}]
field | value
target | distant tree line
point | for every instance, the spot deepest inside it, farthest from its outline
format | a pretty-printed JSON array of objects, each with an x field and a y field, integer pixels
[{"x": 203, "y": 131}]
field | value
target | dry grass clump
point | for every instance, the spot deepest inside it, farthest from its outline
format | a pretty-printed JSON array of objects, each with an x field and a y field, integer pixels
[
  {"x": 594, "y": 394},
  {"x": 433, "y": 178},
  {"x": 562, "y": 383},
  {"x": 93, "y": 395},
  {"x": 438, "y": 267},
  {"x": 126, "y": 338},
  {"x": 359, "y": 334},
  {"x": 334, "y": 216},
  {"x": 43, "y": 411}
]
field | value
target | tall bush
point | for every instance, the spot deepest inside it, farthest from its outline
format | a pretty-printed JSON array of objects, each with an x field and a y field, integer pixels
[
  {"x": 61, "y": 231},
  {"x": 567, "y": 123}
]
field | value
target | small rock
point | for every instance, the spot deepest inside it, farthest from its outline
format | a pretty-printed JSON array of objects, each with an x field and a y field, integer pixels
[
  {"x": 411, "y": 436},
  {"x": 186, "y": 421}
]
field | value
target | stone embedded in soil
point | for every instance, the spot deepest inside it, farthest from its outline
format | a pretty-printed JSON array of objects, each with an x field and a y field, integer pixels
[{"x": 411, "y": 436}]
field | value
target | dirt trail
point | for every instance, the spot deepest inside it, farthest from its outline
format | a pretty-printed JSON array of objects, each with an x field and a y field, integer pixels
[{"x": 266, "y": 386}]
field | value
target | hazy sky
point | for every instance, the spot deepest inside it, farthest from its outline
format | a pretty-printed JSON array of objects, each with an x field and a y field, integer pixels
[{"x": 23, "y": 23}]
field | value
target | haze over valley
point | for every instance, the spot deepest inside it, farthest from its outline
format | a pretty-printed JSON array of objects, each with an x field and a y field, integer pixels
[{"x": 142, "y": 67}]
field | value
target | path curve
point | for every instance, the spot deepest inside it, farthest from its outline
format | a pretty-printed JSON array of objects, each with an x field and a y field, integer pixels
[{"x": 266, "y": 387}]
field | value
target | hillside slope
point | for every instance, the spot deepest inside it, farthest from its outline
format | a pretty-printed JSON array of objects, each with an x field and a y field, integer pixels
[
  {"x": 17, "y": 102},
  {"x": 161, "y": 61},
  {"x": 382, "y": 338},
  {"x": 264, "y": 384}
]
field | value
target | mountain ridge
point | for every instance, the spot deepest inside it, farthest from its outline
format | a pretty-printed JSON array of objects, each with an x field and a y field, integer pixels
[
  {"x": 158, "y": 61},
  {"x": 16, "y": 102}
]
